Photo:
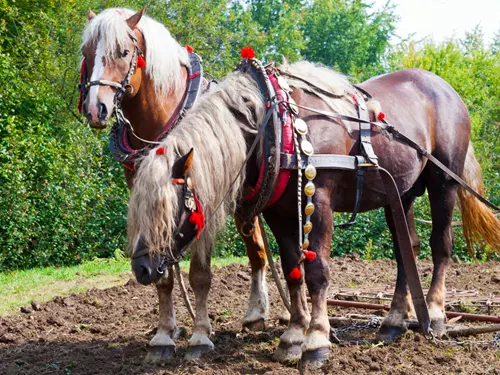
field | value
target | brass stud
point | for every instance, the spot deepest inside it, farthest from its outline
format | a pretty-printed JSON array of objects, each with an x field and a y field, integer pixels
[
  {"x": 309, "y": 210},
  {"x": 310, "y": 172},
  {"x": 308, "y": 227},
  {"x": 305, "y": 245},
  {"x": 283, "y": 84},
  {"x": 309, "y": 189},
  {"x": 300, "y": 126},
  {"x": 306, "y": 147},
  {"x": 293, "y": 106}
]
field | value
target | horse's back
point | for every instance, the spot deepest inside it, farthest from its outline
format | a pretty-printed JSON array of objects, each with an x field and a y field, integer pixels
[{"x": 425, "y": 108}]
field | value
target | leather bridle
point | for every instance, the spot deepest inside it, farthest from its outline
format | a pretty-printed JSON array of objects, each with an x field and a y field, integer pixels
[{"x": 121, "y": 87}]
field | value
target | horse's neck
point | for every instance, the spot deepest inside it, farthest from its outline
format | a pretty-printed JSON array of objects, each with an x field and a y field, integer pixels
[{"x": 148, "y": 113}]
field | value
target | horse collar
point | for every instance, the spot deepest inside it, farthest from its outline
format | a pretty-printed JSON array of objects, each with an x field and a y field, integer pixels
[{"x": 119, "y": 141}]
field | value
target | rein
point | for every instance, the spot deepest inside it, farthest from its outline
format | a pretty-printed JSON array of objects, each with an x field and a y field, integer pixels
[{"x": 408, "y": 141}]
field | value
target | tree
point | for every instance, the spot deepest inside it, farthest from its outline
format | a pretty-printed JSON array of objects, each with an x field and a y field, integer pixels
[{"x": 344, "y": 34}]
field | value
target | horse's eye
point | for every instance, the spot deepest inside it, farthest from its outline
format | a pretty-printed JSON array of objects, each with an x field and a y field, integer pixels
[{"x": 125, "y": 53}]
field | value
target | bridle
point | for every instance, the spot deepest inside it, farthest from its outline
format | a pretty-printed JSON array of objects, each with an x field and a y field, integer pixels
[
  {"x": 192, "y": 203},
  {"x": 121, "y": 87}
]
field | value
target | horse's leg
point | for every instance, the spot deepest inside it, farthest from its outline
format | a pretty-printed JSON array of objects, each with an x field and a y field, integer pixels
[
  {"x": 200, "y": 279},
  {"x": 316, "y": 346},
  {"x": 442, "y": 196},
  {"x": 162, "y": 347},
  {"x": 286, "y": 234},
  {"x": 258, "y": 304},
  {"x": 393, "y": 325}
]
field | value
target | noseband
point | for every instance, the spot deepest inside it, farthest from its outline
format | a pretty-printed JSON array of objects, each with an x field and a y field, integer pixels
[{"x": 197, "y": 218}]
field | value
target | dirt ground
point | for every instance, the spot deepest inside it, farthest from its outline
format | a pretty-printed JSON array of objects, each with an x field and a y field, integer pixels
[{"x": 107, "y": 331}]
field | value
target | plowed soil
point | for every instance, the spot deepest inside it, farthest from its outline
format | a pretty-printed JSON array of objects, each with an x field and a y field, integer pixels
[{"x": 107, "y": 331}]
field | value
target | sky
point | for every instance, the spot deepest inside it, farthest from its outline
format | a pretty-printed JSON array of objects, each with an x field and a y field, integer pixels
[{"x": 442, "y": 19}]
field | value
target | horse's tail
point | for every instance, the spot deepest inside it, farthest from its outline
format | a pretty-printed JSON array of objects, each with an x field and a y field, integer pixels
[{"x": 479, "y": 222}]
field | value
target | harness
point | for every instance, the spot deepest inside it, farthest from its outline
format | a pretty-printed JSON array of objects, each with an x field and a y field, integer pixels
[{"x": 119, "y": 141}]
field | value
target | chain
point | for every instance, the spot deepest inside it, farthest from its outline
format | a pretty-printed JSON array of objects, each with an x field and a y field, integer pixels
[
  {"x": 495, "y": 342},
  {"x": 372, "y": 323}
]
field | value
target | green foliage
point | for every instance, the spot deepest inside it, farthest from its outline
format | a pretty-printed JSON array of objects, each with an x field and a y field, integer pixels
[{"x": 348, "y": 35}]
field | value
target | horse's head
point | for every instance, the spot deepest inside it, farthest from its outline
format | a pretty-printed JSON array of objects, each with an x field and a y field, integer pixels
[
  {"x": 112, "y": 62},
  {"x": 184, "y": 226}
]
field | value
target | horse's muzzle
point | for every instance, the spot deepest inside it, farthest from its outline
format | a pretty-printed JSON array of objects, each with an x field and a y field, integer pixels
[{"x": 145, "y": 269}]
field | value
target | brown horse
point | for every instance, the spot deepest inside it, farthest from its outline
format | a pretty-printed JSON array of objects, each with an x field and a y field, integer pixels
[
  {"x": 224, "y": 124},
  {"x": 157, "y": 88}
]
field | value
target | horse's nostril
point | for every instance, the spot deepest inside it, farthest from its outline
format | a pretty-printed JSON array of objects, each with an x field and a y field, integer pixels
[
  {"x": 103, "y": 111},
  {"x": 143, "y": 275}
]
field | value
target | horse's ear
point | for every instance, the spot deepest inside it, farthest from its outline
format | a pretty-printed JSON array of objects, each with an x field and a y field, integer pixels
[
  {"x": 91, "y": 15},
  {"x": 132, "y": 21},
  {"x": 182, "y": 165}
]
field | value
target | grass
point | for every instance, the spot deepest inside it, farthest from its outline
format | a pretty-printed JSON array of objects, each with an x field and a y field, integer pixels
[{"x": 20, "y": 288}]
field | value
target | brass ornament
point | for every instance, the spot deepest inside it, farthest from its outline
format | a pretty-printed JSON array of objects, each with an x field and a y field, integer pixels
[
  {"x": 309, "y": 189},
  {"x": 300, "y": 126},
  {"x": 283, "y": 84},
  {"x": 306, "y": 147},
  {"x": 293, "y": 106},
  {"x": 310, "y": 172},
  {"x": 309, "y": 210},
  {"x": 305, "y": 245},
  {"x": 308, "y": 227}
]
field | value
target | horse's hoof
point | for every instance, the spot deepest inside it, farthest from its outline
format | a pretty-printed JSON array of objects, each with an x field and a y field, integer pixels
[
  {"x": 160, "y": 354},
  {"x": 256, "y": 326},
  {"x": 438, "y": 328},
  {"x": 194, "y": 352},
  {"x": 313, "y": 360},
  {"x": 179, "y": 333},
  {"x": 288, "y": 354},
  {"x": 389, "y": 334}
]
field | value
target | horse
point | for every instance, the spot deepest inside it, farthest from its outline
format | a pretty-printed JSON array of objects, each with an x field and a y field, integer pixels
[
  {"x": 204, "y": 159},
  {"x": 111, "y": 46}
]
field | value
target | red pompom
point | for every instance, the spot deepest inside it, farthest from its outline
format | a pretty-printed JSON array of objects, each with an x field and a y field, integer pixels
[
  {"x": 295, "y": 274},
  {"x": 247, "y": 53},
  {"x": 189, "y": 48},
  {"x": 160, "y": 151},
  {"x": 381, "y": 116},
  {"x": 197, "y": 218},
  {"x": 141, "y": 63},
  {"x": 310, "y": 255}
]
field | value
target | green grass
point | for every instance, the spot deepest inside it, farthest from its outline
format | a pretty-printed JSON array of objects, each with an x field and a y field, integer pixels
[{"x": 20, "y": 288}]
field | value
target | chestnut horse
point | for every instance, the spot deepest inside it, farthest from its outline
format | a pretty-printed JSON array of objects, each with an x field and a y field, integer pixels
[
  {"x": 208, "y": 149},
  {"x": 156, "y": 91}
]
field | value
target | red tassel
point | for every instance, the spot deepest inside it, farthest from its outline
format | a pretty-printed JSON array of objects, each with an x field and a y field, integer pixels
[
  {"x": 295, "y": 274},
  {"x": 189, "y": 48},
  {"x": 141, "y": 63},
  {"x": 381, "y": 116},
  {"x": 355, "y": 99},
  {"x": 160, "y": 151},
  {"x": 247, "y": 53},
  {"x": 197, "y": 217},
  {"x": 82, "y": 76},
  {"x": 310, "y": 255}
]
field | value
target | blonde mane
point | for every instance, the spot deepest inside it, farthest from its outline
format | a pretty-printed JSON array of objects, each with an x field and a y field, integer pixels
[
  {"x": 218, "y": 129},
  {"x": 164, "y": 56}
]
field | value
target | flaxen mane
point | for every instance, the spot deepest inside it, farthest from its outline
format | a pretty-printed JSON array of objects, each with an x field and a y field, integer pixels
[
  {"x": 164, "y": 56},
  {"x": 217, "y": 128}
]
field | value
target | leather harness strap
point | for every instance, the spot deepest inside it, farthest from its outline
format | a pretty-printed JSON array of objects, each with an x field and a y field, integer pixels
[
  {"x": 392, "y": 130},
  {"x": 406, "y": 249}
]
